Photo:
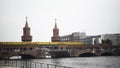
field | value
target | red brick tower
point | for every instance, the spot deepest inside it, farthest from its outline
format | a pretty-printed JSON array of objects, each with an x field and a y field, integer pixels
[
  {"x": 56, "y": 37},
  {"x": 26, "y": 33}
]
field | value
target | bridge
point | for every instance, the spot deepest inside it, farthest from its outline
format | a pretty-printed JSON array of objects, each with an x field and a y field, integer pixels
[{"x": 60, "y": 49}]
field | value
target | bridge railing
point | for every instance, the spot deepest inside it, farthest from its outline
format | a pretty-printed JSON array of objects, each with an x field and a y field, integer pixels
[{"x": 29, "y": 64}]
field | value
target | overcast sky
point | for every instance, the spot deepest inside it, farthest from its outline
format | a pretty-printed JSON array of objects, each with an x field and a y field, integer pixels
[{"x": 90, "y": 16}]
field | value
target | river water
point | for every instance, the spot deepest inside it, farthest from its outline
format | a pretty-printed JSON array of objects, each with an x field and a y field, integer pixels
[
  {"x": 76, "y": 62},
  {"x": 85, "y": 62}
]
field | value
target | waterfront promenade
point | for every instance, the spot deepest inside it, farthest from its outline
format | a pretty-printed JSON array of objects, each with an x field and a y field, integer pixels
[
  {"x": 8, "y": 67},
  {"x": 28, "y": 64},
  {"x": 76, "y": 62}
]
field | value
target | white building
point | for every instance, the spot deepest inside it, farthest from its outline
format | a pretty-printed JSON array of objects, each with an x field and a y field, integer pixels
[
  {"x": 74, "y": 37},
  {"x": 115, "y": 38},
  {"x": 91, "y": 40}
]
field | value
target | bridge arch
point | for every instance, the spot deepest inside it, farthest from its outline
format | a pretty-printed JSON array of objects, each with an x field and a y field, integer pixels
[
  {"x": 107, "y": 54},
  {"x": 119, "y": 54},
  {"x": 59, "y": 53},
  {"x": 23, "y": 56},
  {"x": 87, "y": 54}
]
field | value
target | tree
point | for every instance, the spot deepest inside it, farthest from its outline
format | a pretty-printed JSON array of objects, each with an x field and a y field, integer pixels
[{"x": 107, "y": 42}]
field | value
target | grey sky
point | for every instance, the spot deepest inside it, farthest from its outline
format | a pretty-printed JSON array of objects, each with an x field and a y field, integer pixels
[{"x": 91, "y": 16}]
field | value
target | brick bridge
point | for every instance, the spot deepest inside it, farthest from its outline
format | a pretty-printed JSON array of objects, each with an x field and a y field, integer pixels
[
  {"x": 7, "y": 51},
  {"x": 89, "y": 50},
  {"x": 40, "y": 49}
]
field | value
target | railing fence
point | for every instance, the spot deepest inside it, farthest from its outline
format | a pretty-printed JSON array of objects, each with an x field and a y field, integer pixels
[{"x": 29, "y": 64}]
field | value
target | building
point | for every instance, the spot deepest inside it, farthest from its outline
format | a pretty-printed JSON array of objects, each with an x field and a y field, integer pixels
[
  {"x": 87, "y": 40},
  {"x": 91, "y": 40},
  {"x": 114, "y": 38},
  {"x": 55, "y": 37},
  {"x": 98, "y": 39},
  {"x": 31, "y": 50},
  {"x": 26, "y": 33},
  {"x": 74, "y": 37},
  {"x": 25, "y": 48}
]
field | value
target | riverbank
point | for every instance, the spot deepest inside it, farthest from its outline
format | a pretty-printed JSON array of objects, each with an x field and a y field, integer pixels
[{"x": 8, "y": 67}]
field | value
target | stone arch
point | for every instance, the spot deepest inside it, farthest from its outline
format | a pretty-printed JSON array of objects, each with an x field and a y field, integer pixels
[
  {"x": 27, "y": 56},
  {"x": 24, "y": 56},
  {"x": 25, "y": 49},
  {"x": 107, "y": 54},
  {"x": 87, "y": 54},
  {"x": 11, "y": 49},
  {"x": 59, "y": 54},
  {"x": 30, "y": 49},
  {"x": 119, "y": 54},
  {"x": 7, "y": 48}
]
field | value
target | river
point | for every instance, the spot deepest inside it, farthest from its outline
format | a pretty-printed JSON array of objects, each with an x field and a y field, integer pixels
[
  {"x": 85, "y": 62},
  {"x": 76, "y": 62}
]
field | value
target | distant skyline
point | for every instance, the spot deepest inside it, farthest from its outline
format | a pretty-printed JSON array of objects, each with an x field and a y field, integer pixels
[{"x": 93, "y": 17}]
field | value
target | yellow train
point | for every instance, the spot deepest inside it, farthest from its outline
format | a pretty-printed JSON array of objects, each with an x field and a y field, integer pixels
[{"x": 41, "y": 43}]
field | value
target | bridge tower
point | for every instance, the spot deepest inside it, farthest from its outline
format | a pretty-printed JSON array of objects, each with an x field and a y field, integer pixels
[
  {"x": 56, "y": 37},
  {"x": 26, "y": 33}
]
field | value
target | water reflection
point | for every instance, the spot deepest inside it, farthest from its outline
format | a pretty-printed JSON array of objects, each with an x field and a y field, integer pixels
[
  {"x": 78, "y": 62},
  {"x": 86, "y": 62}
]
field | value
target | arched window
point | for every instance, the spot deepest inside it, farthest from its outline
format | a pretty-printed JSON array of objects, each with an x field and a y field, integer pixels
[
  {"x": 25, "y": 49},
  {"x": 11, "y": 48},
  {"x": 21, "y": 49},
  {"x": 7, "y": 49},
  {"x": 30, "y": 49},
  {"x": 4, "y": 48}
]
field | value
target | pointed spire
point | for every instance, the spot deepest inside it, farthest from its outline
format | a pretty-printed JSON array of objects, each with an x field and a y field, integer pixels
[
  {"x": 26, "y": 25},
  {"x": 55, "y": 24},
  {"x": 26, "y": 33},
  {"x": 55, "y": 37}
]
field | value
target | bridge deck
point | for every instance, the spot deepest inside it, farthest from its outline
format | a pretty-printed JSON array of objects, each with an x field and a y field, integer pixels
[{"x": 41, "y": 43}]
